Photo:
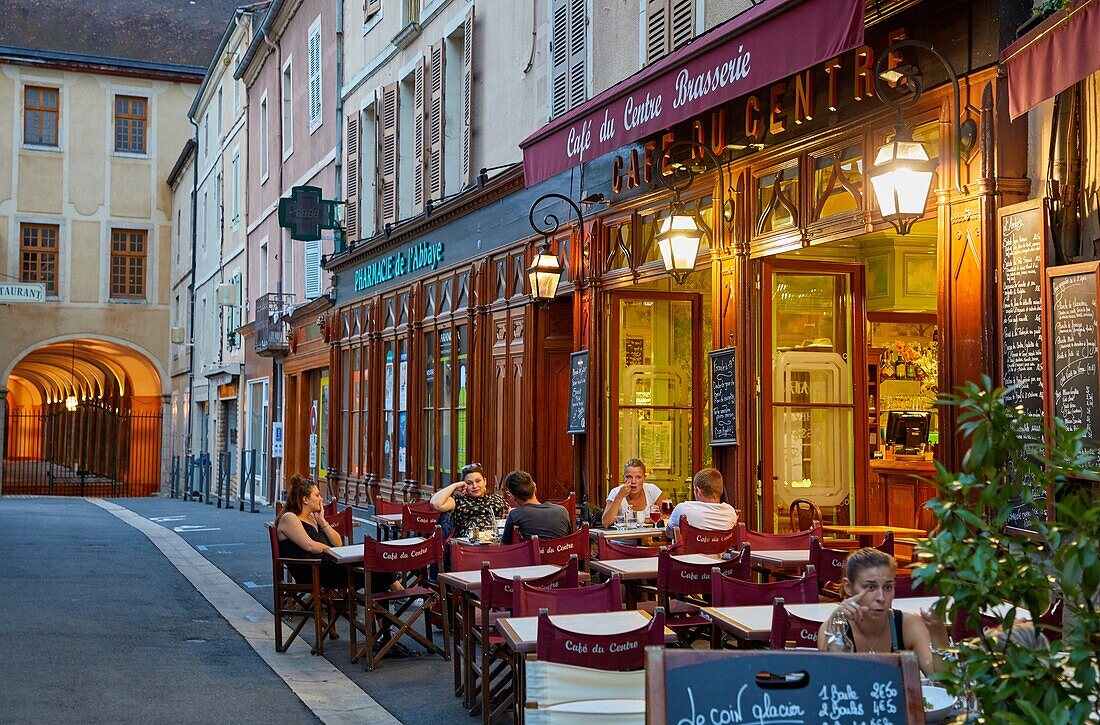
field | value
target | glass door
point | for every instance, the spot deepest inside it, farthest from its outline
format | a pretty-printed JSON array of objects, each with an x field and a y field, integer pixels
[
  {"x": 656, "y": 390},
  {"x": 812, "y": 346}
]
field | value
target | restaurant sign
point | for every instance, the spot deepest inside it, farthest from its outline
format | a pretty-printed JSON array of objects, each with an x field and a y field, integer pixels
[
  {"x": 415, "y": 257},
  {"x": 22, "y": 292},
  {"x": 771, "y": 41}
]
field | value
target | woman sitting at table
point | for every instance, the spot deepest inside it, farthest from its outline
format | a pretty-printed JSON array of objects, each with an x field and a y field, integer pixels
[
  {"x": 873, "y": 625},
  {"x": 471, "y": 502},
  {"x": 632, "y": 496},
  {"x": 303, "y": 533}
]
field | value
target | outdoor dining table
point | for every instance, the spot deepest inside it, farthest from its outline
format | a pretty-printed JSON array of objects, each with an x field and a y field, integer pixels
[
  {"x": 521, "y": 635},
  {"x": 353, "y": 553},
  {"x": 644, "y": 532},
  {"x": 468, "y": 585},
  {"x": 635, "y": 571},
  {"x": 389, "y": 525},
  {"x": 867, "y": 534}
]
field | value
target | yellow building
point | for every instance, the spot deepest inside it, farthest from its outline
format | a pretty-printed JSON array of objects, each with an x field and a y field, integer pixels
[{"x": 91, "y": 126}]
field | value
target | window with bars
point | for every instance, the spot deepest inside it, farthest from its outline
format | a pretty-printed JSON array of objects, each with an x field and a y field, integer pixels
[
  {"x": 131, "y": 119},
  {"x": 128, "y": 253},
  {"x": 40, "y": 115},
  {"x": 668, "y": 25},
  {"x": 38, "y": 254}
]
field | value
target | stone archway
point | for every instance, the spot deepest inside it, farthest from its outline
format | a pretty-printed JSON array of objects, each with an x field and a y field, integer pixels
[{"x": 83, "y": 416}]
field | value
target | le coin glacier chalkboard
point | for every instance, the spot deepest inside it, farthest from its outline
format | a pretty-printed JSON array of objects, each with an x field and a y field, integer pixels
[
  {"x": 578, "y": 392},
  {"x": 723, "y": 397}
]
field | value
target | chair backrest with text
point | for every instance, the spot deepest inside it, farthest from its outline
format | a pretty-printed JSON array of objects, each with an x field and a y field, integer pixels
[
  {"x": 676, "y": 577},
  {"x": 732, "y": 592},
  {"x": 780, "y": 542},
  {"x": 385, "y": 557},
  {"x": 343, "y": 524},
  {"x": 528, "y": 599},
  {"x": 498, "y": 592},
  {"x": 829, "y": 564},
  {"x": 791, "y": 629},
  {"x": 557, "y": 551},
  {"x": 418, "y": 518},
  {"x": 619, "y": 651},
  {"x": 382, "y": 507},
  {"x": 608, "y": 550},
  {"x": 469, "y": 557},
  {"x": 705, "y": 541},
  {"x": 569, "y": 503}
]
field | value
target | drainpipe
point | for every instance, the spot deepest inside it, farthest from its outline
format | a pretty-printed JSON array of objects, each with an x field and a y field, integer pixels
[
  {"x": 191, "y": 302},
  {"x": 276, "y": 362}
]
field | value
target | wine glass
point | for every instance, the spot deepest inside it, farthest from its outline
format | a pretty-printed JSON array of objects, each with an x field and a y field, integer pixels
[
  {"x": 666, "y": 507},
  {"x": 654, "y": 514}
]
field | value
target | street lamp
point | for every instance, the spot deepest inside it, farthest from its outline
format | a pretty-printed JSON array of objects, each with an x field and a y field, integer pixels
[
  {"x": 679, "y": 234},
  {"x": 546, "y": 269},
  {"x": 71, "y": 402},
  {"x": 902, "y": 173}
]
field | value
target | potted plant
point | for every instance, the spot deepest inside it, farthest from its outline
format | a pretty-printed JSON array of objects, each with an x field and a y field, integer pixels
[{"x": 976, "y": 565}]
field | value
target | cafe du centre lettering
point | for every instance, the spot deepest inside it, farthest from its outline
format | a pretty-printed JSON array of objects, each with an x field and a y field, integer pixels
[
  {"x": 767, "y": 116},
  {"x": 416, "y": 256}
]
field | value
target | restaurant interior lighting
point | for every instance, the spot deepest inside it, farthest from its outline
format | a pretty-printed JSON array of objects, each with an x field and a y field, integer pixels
[
  {"x": 71, "y": 402},
  {"x": 901, "y": 175},
  {"x": 546, "y": 268}
]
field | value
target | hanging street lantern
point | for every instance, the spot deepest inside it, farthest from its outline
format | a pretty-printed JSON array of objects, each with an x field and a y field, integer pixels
[
  {"x": 546, "y": 268},
  {"x": 679, "y": 235}
]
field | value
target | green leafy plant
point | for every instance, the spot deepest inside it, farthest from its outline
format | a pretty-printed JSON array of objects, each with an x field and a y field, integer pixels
[
  {"x": 977, "y": 567},
  {"x": 1046, "y": 8}
]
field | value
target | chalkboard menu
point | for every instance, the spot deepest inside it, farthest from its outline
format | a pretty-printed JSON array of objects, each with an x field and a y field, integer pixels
[
  {"x": 1023, "y": 261},
  {"x": 578, "y": 391},
  {"x": 694, "y": 687},
  {"x": 1075, "y": 380},
  {"x": 723, "y": 397}
]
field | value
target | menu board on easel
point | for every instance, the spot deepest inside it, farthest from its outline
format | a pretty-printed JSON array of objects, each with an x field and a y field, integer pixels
[
  {"x": 723, "y": 397},
  {"x": 1075, "y": 350},
  {"x": 1023, "y": 248}
]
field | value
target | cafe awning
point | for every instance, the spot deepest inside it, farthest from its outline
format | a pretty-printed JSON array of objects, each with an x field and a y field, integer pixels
[
  {"x": 1053, "y": 56},
  {"x": 772, "y": 40}
]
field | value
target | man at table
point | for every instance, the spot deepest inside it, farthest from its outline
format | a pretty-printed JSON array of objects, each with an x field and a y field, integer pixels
[
  {"x": 707, "y": 511},
  {"x": 530, "y": 517}
]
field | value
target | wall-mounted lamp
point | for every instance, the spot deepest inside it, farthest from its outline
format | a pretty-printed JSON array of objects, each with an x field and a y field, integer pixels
[
  {"x": 71, "y": 402},
  {"x": 679, "y": 234},
  {"x": 545, "y": 271},
  {"x": 902, "y": 173}
]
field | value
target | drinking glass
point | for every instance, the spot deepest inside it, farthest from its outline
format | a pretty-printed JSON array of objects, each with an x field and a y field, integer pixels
[
  {"x": 654, "y": 514},
  {"x": 666, "y": 507}
]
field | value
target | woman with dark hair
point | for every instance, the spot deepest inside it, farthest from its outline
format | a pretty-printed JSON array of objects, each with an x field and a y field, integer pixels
[
  {"x": 471, "y": 502},
  {"x": 870, "y": 621},
  {"x": 304, "y": 534}
]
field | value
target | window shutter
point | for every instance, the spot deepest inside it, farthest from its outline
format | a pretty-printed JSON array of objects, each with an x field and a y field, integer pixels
[
  {"x": 419, "y": 141},
  {"x": 387, "y": 177},
  {"x": 315, "y": 79},
  {"x": 313, "y": 269},
  {"x": 371, "y": 8},
  {"x": 682, "y": 27},
  {"x": 656, "y": 30},
  {"x": 436, "y": 119},
  {"x": 559, "y": 58},
  {"x": 468, "y": 97},
  {"x": 351, "y": 170},
  {"x": 578, "y": 52}
]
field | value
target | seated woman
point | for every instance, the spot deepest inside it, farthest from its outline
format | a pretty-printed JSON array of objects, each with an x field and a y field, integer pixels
[
  {"x": 471, "y": 502},
  {"x": 871, "y": 622},
  {"x": 633, "y": 495},
  {"x": 303, "y": 533}
]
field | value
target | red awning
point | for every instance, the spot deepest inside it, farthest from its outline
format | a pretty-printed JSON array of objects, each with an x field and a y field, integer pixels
[
  {"x": 1053, "y": 56},
  {"x": 773, "y": 40}
]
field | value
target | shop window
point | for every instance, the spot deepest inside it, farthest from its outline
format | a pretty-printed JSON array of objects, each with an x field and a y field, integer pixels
[
  {"x": 445, "y": 385},
  {"x": 838, "y": 182},
  {"x": 619, "y": 249},
  {"x": 347, "y": 454},
  {"x": 395, "y": 411},
  {"x": 777, "y": 200}
]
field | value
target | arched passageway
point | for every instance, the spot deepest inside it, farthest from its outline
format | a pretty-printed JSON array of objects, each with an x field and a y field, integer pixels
[{"x": 83, "y": 417}]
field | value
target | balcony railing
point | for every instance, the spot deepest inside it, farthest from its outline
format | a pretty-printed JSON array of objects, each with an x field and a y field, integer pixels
[{"x": 272, "y": 329}]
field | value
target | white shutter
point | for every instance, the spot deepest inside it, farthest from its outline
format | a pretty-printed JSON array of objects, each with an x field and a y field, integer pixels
[
  {"x": 682, "y": 27},
  {"x": 578, "y": 52},
  {"x": 468, "y": 97},
  {"x": 315, "y": 75},
  {"x": 419, "y": 151},
  {"x": 559, "y": 58},
  {"x": 313, "y": 269}
]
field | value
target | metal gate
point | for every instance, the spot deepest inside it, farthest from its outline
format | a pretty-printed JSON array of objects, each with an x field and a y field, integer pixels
[{"x": 91, "y": 451}]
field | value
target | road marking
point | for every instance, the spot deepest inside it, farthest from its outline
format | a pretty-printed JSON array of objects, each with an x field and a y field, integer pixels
[
  {"x": 163, "y": 519},
  {"x": 254, "y": 585},
  {"x": 192, "y": 529},
  {"x": 208, "y": 547}
]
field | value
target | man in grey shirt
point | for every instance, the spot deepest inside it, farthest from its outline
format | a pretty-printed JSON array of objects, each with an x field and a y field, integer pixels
[{"x": 531, "y": 518}]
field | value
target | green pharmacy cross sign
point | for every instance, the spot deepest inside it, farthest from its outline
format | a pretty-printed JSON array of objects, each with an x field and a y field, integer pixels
[{"x": 305, "y": 213}]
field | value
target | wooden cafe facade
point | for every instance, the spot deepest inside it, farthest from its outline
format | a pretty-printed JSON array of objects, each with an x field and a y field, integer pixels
[{"x": 801, "y": 353}]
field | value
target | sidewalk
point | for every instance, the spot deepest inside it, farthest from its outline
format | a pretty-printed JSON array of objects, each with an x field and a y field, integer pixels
[{"x": 127, "y": 573}]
